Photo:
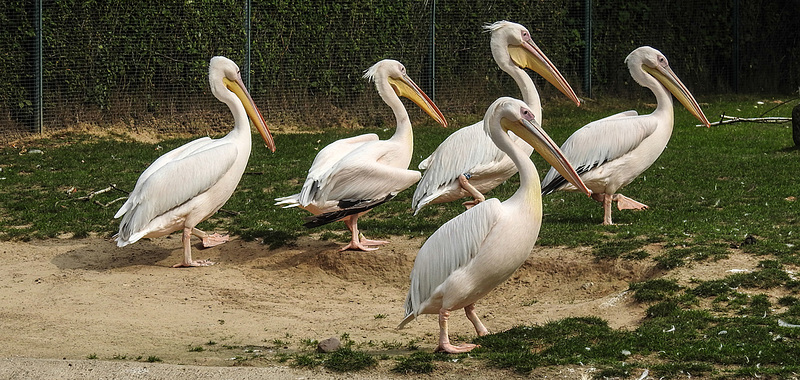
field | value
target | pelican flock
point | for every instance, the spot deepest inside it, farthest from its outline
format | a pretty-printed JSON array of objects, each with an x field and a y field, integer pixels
[
  {"x": 471, "y": 254},
  {"x": 479, "y": 249},
  {"x": 351, "y": 176},
  {"x": 610, "y": 153},
  {"x": 190, "y": 183},
  {"x": 450, "y": 174}
]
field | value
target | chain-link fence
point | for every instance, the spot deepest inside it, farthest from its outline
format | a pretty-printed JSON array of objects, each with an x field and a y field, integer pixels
[{"x": 144, "y": 65}]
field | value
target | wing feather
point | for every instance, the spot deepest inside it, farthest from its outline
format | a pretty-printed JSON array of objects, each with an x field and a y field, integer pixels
[
  {"x": 175, "y": 154},
  {"x": 364, "y": 180},
  {"x": 451, "y": 247},
  {"x": 599, "y": 142},
  {"x": 450, "y": 160},
  {"x": 324, "y": 162},
  {"x": 174, "y": 183}
]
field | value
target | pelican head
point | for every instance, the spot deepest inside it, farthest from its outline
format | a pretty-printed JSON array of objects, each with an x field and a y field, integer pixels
[
  {"x": 654, "y": 63},
  {"x": 526, "y": 54},
  {"x": 224, "y": 74},
  {"x": 394, "y": 73},
  {"x": 516, "y": 116}
]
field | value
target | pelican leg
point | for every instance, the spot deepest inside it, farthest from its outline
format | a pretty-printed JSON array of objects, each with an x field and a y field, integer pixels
[
  {"x": 444, "y": 339},
  {"x": 605, "y": 199},
  {"x": 356, "y": 242},
  {"x": 476, "y": 195},
  {"x": 473, "y": 317},
  {"x": 210, "y": 240},
  {"x": 625, "y": 203},
  {"x": 187, "y": 252}
]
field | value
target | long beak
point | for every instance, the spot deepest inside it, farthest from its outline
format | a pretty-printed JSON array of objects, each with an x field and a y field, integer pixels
[
  {"x": 532, "y": 132},
  {"x": 665, "y": 75},
  {"x": 406, "y": 87},
  {"x": 238, "y": 88},
  {"x": 529, "y": 56}
]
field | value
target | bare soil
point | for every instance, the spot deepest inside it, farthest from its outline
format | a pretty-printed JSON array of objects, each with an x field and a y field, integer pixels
[{"x": 63, "y": 301}]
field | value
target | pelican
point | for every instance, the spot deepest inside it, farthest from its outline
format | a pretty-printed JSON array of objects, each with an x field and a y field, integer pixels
[
  {"x": 479, "y": 249},
  {"x": 352, "y": 175},
  {"x": 451, "y": 174},
  {"x": 610, "y": 153},
  {"x": 190, "y": 183}
]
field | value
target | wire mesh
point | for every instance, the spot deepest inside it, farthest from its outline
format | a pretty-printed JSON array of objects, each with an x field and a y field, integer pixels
[{"x": 144, "y": 65}]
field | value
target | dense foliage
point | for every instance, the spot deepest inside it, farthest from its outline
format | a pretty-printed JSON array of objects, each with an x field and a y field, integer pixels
[{"x": 110, "y": 61}]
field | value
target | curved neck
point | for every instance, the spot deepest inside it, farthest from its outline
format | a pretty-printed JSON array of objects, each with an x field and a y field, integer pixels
[
  {"x": 529, "y": 94},
  {"x": 663, "y": 96},
  {"x": 664, "y": 105},
  {"x": 403, "y": 131},
  {"x": 529, "y": 186},
  {"x": 241, "y": 122}
]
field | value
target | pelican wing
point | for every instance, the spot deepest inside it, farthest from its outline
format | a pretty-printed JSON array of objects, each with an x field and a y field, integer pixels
[
  {"x": 355, "y": 180},
  {"x": 174, "y": 183},
  {"x": 173, "y": 155},
  {"x": 325, "y": 160},
  {"x": 452, "y": 159},
  {"x": 599, "y": 142},
  {"x": 451, "y": 247}
]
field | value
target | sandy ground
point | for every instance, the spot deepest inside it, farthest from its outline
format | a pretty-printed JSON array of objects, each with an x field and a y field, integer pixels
[{"x": 64, "y": 300}]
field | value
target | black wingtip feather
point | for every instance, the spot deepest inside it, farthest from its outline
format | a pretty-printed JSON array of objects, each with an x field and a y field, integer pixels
[{"x": 355, "y": 208}]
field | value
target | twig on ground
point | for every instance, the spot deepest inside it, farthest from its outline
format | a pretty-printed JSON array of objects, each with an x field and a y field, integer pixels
[
  {"x": 107, "y": 189},
  {"x": 725, "y": 119}
]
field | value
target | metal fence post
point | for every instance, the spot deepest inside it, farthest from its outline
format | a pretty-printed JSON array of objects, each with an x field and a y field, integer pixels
[
  {"x": 736, "y": 28},
  {"x": 587, "y": 54},
  {"x": 39, "y": 106},
  {"x": 248, "y": 42},
  {"x": 433, "y": 51}
]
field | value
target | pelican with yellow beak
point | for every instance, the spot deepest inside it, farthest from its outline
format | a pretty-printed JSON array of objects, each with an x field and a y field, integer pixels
[
  {"x": 351, "y": 176},
  {"x": 610, "y": 153},
  {"x": 467, "y": 163},
  {"x": 481, "y": 248},
  {"x": 190, "y": 183}
]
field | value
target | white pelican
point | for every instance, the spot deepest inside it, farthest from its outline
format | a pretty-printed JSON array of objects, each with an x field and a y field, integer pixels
[
  {"x": 467, "y": 163},
  {"x": 479, "y": 249},
  {"x": 352, "y": 175},
  {"x": 610, "y": 153},
  {"x": 190, "y": 183}
]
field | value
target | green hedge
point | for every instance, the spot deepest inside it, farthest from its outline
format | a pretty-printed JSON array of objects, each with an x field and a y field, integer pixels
[{"x": 108, "y": 61}]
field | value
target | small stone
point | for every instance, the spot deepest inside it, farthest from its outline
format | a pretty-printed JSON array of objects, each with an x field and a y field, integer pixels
[{"x": 329, "y": 345}]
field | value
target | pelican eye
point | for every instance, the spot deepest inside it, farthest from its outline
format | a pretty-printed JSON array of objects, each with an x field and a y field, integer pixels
[{"x": 526, "y": 114}]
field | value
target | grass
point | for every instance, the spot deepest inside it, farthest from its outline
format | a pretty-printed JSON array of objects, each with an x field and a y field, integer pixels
[{"x": 713, "y": 190}]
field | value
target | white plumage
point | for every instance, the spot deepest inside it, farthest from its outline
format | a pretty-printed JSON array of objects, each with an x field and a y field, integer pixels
[
  {"x": 467, "y": 163},
  {"x": 190, "y": 183},
  {"x": 363, "y": 170},
  {"x": 479, "y": 249},
  {"x": 611, "y": 152}
]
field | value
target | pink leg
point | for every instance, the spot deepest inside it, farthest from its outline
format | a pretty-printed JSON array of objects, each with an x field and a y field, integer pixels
[
  {"x": 625, "y": 203},
  {"x": 473, "y": 317},
  {"x": 210, "y": 240},
  {"x": 356, "y": 241},
  {"x": 444, "y": 339},
  {"x": 476, "y": 195},
  {"x": 605, "y": 199},
  {"x": 187, "y": 252}
]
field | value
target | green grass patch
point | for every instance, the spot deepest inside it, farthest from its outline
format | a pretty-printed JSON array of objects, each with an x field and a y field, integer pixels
[
  {"x": 416, "y": 363},
  {"x": 653, "y": 290},
  {"x": 712, "y": 187}
]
